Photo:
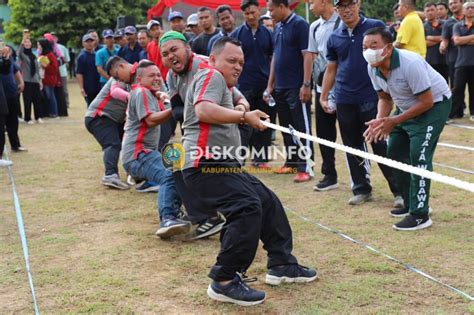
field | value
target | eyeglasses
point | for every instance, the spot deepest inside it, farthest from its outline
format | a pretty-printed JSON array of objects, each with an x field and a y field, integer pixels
[{"x": 350, "y": 6}]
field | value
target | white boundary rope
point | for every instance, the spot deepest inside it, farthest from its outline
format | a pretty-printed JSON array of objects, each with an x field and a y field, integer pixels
[
  {"x": 460, "y": 126},
  {"x": 398, "y": 165},
  {"x": 378, "y": 252},
  {"x": 21, "y": 230},
  {"x": 454, "y": 168}
]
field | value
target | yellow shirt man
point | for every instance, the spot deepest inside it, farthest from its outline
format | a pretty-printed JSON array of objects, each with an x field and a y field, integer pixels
[{"x": 411, "y": 34}]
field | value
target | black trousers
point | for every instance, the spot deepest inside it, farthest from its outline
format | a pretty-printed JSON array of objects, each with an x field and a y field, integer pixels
[
  {"x": 2, "y": 133},
  {"x": 166, "y": 131},
  {"x": 11, "y": 121},
  {"x": 463, "y": 76},
  {"x": 260, "y": 141},
  {"x": 109, "y": 135},
  {"x": 32, "y": 95},
  {"x": 292, "y": 112},
  {"x": 61, "y": 100},
  {"x": 252, "y": 212},
  {"x": 452, "y": 71},
  {"x": 443, "y": 70},
  {"x": 326, "y": 129},
  {"x": 352, "y": 119}
]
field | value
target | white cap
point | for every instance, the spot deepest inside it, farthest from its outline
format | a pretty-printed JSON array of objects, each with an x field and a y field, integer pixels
[
  {"x": 192, "y": 19},
  {"x": 151, "y": 23}
]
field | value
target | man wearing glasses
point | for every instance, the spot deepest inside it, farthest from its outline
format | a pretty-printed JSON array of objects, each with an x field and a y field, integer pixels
[{"x": 356, "y": 99}]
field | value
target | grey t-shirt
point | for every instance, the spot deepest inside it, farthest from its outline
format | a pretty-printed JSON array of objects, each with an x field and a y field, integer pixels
[
  {"x": 465, "y": 52},
  {"x": 105, "y": 105},
  {"x": 410, "y": 76},
  {"x": 202, "y": 140},
  {"x": 138, "y": 136}
]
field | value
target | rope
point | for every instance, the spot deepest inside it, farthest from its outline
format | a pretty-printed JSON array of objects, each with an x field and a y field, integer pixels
[
  {"x": 379, "y": 159},
  {"x": 21, "y": 230}
]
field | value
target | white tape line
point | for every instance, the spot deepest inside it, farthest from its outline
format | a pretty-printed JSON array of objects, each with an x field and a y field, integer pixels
[
  {"x": 398, "y": 165},
  {"x": 461, "y": 126},
  {"x": 454, "y": 168},
  {"x": 454, "y": 146}
]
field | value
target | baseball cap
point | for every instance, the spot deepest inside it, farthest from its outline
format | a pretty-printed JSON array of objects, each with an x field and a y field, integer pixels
[
  {"x": 336, "y": 2},
  {"x": 107, "y": 33},
  {"x": 118, "y": 33},
  {"x": 87, "y": 37},
  {"x": 174, "y": 15},
  {"x": 130, "y": 30},
  {"x": 192, "y": 19},
  {"x": 151, "y": 23}
]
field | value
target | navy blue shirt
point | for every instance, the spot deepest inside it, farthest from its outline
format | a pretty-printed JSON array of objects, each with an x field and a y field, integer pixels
[
  {"x": 131, "y": 55},
  {"x": 290, "y": 39},
  {"x": 258, "y": 50},
  {"x": 8, "y": 80},
  {"x": 85, "y": 65},
  {"x": 353, "y": 85},
  {"x": 143, "y": 54}
]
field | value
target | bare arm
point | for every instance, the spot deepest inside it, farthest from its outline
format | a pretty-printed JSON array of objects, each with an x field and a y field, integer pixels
[
  {"x": 156, "y": 118},
  {"x": 463, "y": 40},
  {"x": 102, "y": 72},
  {"x": 328, "y": 82},
  {"x": 271, "y": 78},
  {"x": 80, "y": 81},
  {"x": 19, "y": 81}
]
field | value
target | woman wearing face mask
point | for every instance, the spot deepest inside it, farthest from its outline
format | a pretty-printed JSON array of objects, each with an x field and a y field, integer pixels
[
  {"x": 30, "y": 69},
  {"x": 423, "y": 101}
]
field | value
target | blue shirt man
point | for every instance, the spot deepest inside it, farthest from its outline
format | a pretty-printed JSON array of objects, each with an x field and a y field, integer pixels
[
  {"x": 291, "y": 85},
  {"x": 103, "y": 54},
  {"x": 356, "y": 99},
  {"x": 130, "y": 52},
  {"x": 87, "y": 71}
]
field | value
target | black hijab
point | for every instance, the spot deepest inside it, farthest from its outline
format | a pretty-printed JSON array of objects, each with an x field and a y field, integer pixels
[{"x": 32, "y": 58}]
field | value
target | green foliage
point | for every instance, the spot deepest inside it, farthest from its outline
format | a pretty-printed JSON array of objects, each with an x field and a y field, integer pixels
[{"x": 70, "y": 19}]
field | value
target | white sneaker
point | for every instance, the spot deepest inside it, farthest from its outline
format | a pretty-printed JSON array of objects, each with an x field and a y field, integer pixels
[
  {"x": 40, "y": 121},
  {"x": 21, "y": 119},
  {"x": 5, "y": 163},
  {"x": 30, "y": 122},
  {"x": 471, "y": 118}
]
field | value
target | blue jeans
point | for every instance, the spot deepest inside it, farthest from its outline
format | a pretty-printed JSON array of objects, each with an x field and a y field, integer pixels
[
  {"x": 53, "y": 104},
  {"x": 150, "y": 166}
]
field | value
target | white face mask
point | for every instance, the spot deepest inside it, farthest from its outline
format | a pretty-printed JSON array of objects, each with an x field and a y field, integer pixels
[{"x": 373, "y": 56}]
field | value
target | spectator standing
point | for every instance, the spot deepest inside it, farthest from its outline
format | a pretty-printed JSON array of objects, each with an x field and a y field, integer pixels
[
  {"x": 257, "y": 45},
  {"x": 130, "y": 52},
  {"x": 153, "y": 47},
  {"x": 463, "y": 38},
  {"x": 319, "y": 33},
  {"x": 143, "y": 40},
  {"x": 226, "y": 22},
  {"x": 290, "y": 84},
  {"x": 411, "y": 34},
  {"x": 192, "y": 26},
  {"x": 433, "y": 30},
  {"x": 120, "y": 39},
  {"x": 176, "y": 20},
  {"x": 447, "y": 47},
  {"x": 206, "y": 22},
  {"x": 355, "y": 98},
  {"x": 104, "y": 54},
  {"x": 49, "y": 63},
  {"x": 63, "y": 68},
  {"x": 267, "y": 21},
  {"x": 442, "y": 10},
  {"x": 72, "y": 64},
  {"x": 396, "y": 23},
  {"x": 30, "y": 70},
  {"x": 58, "y": 89},
  {"x": 87, "y": 76},
  {"x": 4, "y": 70}
]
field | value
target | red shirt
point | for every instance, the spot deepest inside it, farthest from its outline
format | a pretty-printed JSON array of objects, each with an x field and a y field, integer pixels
[
  {"x": 51, "y": 72},
  {"x": 154, "y": 55}
]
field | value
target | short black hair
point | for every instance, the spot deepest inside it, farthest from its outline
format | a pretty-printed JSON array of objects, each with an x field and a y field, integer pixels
[
  {"x": 202, "y": 9},
  {"x": 384, "y": 32},
  {"x": 278, "y": 2},
  {"x": 113, "y": 62},
  {"x": 429, "y": 4},
  {"x": 444, "y": 4},
  {"x": 222, "y": 8},
  {"x": 410, "y": 3},
  {"x": 221, "y": 42},
  {"x": 395, "y": 7},
  {"x": 247, "y": 3}
]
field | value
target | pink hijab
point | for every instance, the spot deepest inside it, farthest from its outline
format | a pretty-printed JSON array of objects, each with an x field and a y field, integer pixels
[{"x": 56, "y": 49}]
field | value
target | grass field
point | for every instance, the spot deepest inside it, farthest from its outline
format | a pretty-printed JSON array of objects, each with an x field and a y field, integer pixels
[{"x": 93, "y": 250}]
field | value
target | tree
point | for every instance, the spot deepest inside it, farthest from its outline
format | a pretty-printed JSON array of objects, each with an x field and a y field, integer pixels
[{"x": 70, "y": 19}]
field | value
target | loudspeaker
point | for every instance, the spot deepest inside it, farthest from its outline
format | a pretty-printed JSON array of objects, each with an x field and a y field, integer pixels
[{"x": 123, "y": 21}]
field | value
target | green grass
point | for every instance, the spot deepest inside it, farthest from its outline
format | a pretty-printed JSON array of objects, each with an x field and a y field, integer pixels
[{"x": 93, "y": 250}]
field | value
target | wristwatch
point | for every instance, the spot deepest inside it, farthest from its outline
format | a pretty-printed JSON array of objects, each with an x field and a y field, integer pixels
[{"x": 307, "y": 83}]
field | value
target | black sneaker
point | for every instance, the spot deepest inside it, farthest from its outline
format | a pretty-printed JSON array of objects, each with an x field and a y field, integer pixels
[
  {"x": 413, "y": 222},
  {"x": 209, "y": 227},
  {"x": 236, "y": 292},
  {"x": 403, "y": 212},
  {"x": 290, "y": 273},
  {"x": 172, "y": 226},
  {"x": 327, "y": 183}
]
